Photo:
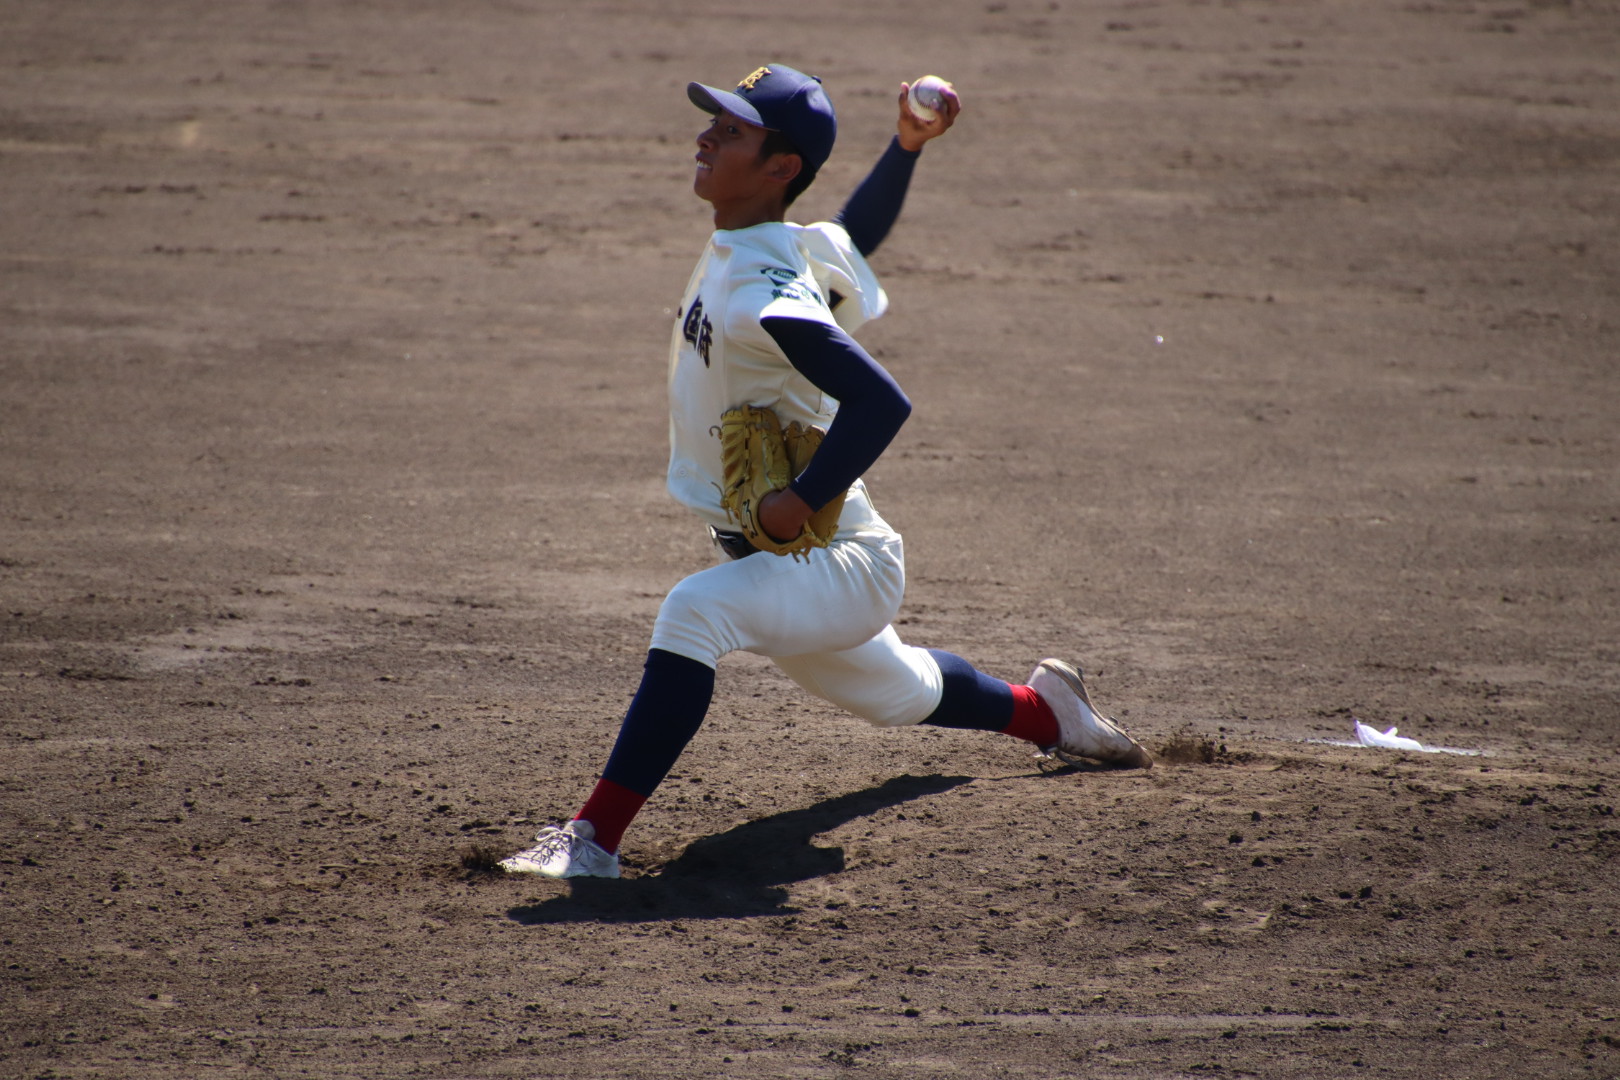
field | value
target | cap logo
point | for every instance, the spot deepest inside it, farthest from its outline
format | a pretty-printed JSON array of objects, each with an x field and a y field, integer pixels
[{"x": 748, "y": 83}]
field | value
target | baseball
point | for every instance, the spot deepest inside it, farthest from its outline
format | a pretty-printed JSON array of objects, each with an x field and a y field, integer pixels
[{"x": 927, "y": 97}]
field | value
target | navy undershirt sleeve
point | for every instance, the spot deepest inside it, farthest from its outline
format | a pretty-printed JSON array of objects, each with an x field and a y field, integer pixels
[
  {"x": 875, "y": 205},
  {"x": 871, "y": 405}
]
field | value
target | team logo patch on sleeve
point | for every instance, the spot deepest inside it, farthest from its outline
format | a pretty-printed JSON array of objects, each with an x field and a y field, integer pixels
[{"x": 786, "y": 285}]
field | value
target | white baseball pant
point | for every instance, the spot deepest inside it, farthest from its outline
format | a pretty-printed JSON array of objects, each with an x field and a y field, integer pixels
[{"x": 826, "y": 622}]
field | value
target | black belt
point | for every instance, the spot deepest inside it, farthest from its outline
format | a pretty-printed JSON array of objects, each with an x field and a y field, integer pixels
[{"x": 734, "y": 545}]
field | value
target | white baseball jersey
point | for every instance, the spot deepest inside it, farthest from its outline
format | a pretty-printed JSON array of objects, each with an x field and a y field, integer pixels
[{"x": 721, "y": 357}]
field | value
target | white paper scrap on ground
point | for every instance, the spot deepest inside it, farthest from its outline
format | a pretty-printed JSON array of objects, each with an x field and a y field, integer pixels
[
  {"x": 1393, "y": 740},
  {"x": 1357, "y": 745},
  {"x": 1370, "y": 736}
]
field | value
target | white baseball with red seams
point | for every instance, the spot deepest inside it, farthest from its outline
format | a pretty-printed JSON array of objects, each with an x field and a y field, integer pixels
[{"x": 927, "y": 97}]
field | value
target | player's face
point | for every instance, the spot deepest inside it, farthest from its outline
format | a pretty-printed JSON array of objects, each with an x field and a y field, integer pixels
[{"x": 728, "y": 165}]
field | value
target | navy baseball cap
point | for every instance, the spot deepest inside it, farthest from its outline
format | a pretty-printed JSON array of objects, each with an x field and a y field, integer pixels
[{"x": 778, "y": 98}]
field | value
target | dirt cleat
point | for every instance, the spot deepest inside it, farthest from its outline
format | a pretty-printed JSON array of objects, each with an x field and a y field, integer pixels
[
  {"x": 1083, "y": 732},
  {"x": 569, "y": 851}
]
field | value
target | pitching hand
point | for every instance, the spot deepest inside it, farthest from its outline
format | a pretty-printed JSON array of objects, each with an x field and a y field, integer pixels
[{"x": 914, "y": 132}]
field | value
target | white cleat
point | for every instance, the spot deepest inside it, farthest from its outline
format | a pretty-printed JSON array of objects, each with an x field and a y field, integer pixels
[
  {"x": 1083, "y": 732},
  {"x": 569, "y": 851}
]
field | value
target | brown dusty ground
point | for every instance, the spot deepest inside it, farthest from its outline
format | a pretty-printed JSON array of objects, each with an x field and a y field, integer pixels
[{"x": 1264, "y": 357}]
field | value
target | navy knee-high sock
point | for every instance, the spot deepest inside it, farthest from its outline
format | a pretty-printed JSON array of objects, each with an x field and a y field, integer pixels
[
  {"x": 974, "y": 700},
  {"x": 666, "y": 712},
  {"x": 971, "y": 699}
]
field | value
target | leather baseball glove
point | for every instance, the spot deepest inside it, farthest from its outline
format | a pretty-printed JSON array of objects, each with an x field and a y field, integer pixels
[{"x": 760, "y": 457}]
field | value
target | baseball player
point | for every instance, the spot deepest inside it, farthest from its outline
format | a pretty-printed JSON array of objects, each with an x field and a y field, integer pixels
[{"x": 766, "y": 321}]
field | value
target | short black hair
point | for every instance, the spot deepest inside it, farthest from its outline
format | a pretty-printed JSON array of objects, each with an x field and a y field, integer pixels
[{"x": 777, "y": 143}]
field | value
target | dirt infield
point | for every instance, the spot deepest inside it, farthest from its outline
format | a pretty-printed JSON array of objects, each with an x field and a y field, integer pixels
[{"x": 1264, "y": 362}]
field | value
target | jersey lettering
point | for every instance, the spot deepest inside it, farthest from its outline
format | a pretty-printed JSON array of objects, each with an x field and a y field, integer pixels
[{"x": 697, "y": 331}]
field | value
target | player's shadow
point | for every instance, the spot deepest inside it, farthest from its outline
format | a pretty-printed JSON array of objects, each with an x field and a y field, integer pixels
[{"x": 737, "y": 874}]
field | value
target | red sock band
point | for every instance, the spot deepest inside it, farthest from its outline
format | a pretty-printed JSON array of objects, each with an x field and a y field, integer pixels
[
  {"x": 611, "y": 808},
  {"x": 1032, "y": 718}
]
